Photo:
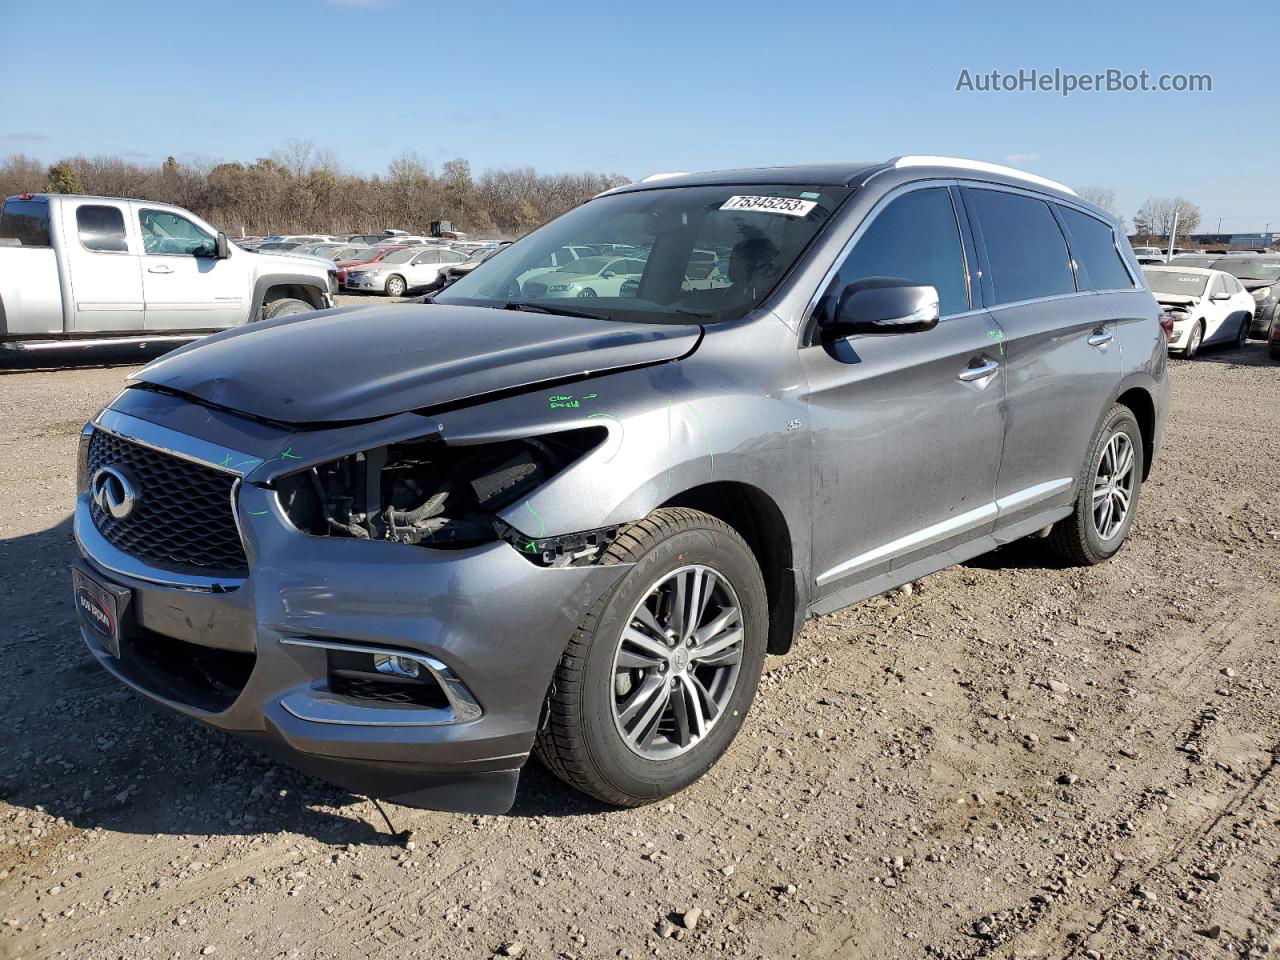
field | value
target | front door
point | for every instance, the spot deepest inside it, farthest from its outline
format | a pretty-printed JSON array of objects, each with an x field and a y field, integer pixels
[
  {"x": 907, "y": 427},
  {"x": 185, "y": 285}
]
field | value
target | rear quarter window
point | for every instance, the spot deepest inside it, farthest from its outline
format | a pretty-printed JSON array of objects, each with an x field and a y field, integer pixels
[
  {"x": 26, "y": 221},
  {"x": 1094, "y": 246},
  {"x": 101, "y": 228},
  {"x": 1026, "y": 251}
]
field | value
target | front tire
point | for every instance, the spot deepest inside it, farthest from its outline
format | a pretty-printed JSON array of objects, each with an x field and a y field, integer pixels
[
  {"x": 1193, "y": 343},
  {"x": 1111, "y": 480},
  {"x": 1242, "y": 335},
  {"x": 285, "y": 307},
  {"x": 658, "y": 678},
  {"x": 396, "y": 286}
]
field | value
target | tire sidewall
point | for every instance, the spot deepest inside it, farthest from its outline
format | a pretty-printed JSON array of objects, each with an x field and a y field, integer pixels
[
  {"x": 1196, "y": 341},
  {"x": 613, "y": 760},
  {"x": 1120, "y": 420}
]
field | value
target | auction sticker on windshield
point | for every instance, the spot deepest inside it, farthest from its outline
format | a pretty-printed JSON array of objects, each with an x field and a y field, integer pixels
[{"x": 785, "y": 205}]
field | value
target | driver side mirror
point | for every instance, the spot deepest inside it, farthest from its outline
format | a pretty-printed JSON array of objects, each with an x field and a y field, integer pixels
[
  {"x": 1221, "y": 295},
  {"x": 883, "y": 305},
  {"x": 222, "y": 249},
  {"x": 608, "y": 275}
]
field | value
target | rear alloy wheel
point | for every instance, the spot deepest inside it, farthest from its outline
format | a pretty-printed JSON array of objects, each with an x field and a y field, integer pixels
[
  {"x": 658, "y": 677},
  {"x": 1193, "y": 342},
  {"x": 395, "y": 286},
  {"x": 1108, "y": 493}
]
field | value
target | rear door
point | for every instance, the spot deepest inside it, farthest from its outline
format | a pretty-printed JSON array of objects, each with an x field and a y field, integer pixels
[
  {"x": 185, "y": 286},
  {"x": 1060, "y": 359},
  {"x": 103, "y": 266}
]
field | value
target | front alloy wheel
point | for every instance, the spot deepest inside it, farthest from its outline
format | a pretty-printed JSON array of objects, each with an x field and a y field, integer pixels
[
  {"x": 657, "y": 679},
  {"x": 677, "y": 662}
]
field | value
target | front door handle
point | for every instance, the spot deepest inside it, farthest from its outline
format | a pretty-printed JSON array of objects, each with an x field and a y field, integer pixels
[
  {"x": 160, "y": 268},
  {"x": 1100, "y": 337},
  {"x": 986, "y": 369}
]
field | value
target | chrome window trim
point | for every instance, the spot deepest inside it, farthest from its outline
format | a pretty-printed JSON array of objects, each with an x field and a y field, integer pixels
[
  {"x": 237, "y": 463},
  {"x": 870, "y": 218},
  {"x": 321, "y": 706}
]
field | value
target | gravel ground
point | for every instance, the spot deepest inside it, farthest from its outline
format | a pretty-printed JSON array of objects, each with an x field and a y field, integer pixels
[{"x": 1009, "y": 759}]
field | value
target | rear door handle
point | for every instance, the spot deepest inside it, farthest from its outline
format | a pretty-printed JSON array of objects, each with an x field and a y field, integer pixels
[
  {"x": 160, "y": 268},
  {"x": 986, "y": 369},
  {"x": 1100, "y": 337}
]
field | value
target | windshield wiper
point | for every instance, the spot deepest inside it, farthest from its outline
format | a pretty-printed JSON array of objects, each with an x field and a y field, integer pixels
[{"x": 539, "y": 308}]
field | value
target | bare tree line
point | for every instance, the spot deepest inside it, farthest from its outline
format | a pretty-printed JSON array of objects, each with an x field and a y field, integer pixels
[{"x": 303, "y": 190}]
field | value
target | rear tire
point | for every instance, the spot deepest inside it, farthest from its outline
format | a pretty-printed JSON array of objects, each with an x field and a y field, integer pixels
[
  {"x": 285, "y": 307},
  {"x": 596, "y": 737},
  {"x": 396, "y": 286},
  {"x": 1089, "y": 536}
]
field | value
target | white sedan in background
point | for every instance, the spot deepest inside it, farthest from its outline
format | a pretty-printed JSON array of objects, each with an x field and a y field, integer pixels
[
  {"x": 588, "y": 277},
  {"x": 404, "y": 270},
  {"x": 1207, "y": 306}
]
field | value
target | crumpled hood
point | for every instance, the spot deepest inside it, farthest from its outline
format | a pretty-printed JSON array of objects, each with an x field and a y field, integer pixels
[{"x": 361, "y": 363}]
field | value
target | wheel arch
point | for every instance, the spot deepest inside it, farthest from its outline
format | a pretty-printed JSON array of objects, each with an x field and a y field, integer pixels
[
  {"x": 277, "y": 287},
  {"x": 761, "y": 523},
  {"x": 1143, "y": 406}
]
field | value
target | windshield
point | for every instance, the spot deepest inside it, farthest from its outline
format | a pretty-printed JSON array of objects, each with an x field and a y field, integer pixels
[
  {"x": 1176, "y": 282},
  {"x": 752, "y": 233},
  {"x": 400, "y": 256}
]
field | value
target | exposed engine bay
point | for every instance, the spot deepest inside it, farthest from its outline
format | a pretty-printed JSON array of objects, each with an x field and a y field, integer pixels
[{"x": 428, "y": 493}]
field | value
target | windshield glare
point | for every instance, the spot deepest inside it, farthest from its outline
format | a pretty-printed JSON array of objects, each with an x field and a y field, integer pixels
[
  {"x": 671, "y": 238},
  {"x": 400, "y": 256}
]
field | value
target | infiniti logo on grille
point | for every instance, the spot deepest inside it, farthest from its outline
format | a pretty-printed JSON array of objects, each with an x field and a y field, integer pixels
[{"x": 114, "y": 491}]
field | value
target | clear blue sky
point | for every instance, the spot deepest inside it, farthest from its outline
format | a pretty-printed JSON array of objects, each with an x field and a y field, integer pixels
[{"x": 644, "y": 87}]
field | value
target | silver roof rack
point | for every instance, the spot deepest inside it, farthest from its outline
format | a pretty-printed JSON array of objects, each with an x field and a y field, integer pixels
[{"x": 981, "y": 167}]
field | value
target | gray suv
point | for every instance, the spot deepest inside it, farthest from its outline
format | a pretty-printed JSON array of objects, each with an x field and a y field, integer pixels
[{"x": 404, "y": 547}]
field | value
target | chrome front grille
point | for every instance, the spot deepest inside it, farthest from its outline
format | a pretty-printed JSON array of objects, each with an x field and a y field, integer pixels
[{"x": 183, "y": 516}]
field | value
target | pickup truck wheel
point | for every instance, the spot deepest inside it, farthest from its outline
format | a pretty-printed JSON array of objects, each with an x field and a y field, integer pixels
[
  {"x": 285, "y": 307},
  {"x": 395, "y": 286},
  {"x": 1111, "y": 479},
  {"x": 658, "y": 677}
]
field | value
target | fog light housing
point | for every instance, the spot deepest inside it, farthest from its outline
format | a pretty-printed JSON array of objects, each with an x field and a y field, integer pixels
[{"x": 397, "y": 666}]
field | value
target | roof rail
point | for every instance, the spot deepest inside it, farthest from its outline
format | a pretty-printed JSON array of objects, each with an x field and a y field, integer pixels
[{"x": 981, "y": 167}]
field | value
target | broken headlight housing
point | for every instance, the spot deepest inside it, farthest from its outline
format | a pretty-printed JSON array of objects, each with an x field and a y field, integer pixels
[{"x": 430, "y": 493}]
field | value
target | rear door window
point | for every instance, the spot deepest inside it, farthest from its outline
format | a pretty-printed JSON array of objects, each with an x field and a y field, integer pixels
[
  {"x": 1094, "y": 245},
  {"x": 26, "y": 221},
  {"x": 1026, "y": 251},
  {"x": 101, "y": 228}
]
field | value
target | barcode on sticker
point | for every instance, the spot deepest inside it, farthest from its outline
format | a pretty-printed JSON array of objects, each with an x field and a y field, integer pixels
[{"x": 785, "y": 205}]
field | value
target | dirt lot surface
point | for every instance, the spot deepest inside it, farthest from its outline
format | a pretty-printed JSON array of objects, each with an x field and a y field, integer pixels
[{"x": 1010, "y": 759}]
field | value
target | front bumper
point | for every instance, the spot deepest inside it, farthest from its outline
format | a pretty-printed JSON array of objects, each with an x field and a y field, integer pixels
[
  {"x": 1181, "y": 334},
  {"x": 366, "y": 283},
  {"x": 496, "y": 622},
  {"x": 1264, "y": 319}
]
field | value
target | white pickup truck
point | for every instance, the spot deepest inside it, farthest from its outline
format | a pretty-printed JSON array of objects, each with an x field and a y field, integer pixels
[{"x": 81, "y": 271}]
